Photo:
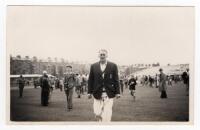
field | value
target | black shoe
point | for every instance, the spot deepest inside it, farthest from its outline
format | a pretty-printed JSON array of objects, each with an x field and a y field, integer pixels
[
  {"x": 69, "y": 109},
  {"x": 131, "y": 93}
]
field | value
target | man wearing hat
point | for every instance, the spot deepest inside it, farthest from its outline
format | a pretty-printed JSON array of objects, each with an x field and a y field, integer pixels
[
  {"x": 69, "y": 84},
  {"x": 162, "y": 84},
  {"x": 103, "y": 84}
]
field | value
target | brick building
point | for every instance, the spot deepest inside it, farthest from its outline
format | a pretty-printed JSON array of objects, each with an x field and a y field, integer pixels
[{"x": 28, "y": 65}]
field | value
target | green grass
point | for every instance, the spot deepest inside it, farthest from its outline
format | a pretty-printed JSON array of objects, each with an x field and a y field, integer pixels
[{"x": 147, "y": 107}]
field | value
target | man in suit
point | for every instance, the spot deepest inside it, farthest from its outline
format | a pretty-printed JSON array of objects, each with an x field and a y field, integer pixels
[
  {"x": 21, "y": 83},
  {"x": 103, "y": 84},
  {"x": 78, "y": 85},
  {"x": 69, "y": 84},
  {"x": 186, "y": 79},
  {"x": 162, "y": 84},
  {"x": 45, "y": 85},
  {"x": 132, "y": 83}
]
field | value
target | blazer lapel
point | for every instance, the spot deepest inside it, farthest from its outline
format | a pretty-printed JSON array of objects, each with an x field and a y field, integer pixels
[
  {"x": 107, "y": 67},
  {"x": 105, "y": 71},
  {"x": 99, "y": 68}
]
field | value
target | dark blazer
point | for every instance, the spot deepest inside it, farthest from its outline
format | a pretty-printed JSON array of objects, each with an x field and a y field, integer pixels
[
  {"x": 110, "y": 81},
  {"x": 132, "y": 82}
]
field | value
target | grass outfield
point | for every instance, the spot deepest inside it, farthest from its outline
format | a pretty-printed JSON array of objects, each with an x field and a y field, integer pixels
[{"x": 147, "y": 107}]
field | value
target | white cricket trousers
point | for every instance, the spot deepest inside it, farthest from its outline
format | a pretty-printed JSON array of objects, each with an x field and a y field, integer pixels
[{"x": 103, "y": 108}]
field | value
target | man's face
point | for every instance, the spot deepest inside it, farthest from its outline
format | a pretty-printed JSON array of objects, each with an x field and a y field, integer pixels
[
  {"x": 68, "y": 69},
  {"x": 102, "y": 56}
]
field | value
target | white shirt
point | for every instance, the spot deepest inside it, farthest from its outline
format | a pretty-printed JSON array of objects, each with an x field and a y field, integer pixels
[{"x": 103, "y": 66}]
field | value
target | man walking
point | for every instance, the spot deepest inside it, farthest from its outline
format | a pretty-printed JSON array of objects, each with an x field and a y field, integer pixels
[
  {"x": 103, "y": 84},
  {"x": 45, "y": 85},
  {"x": 69, "y": 84},
  {"x": 132, "y": 83},
  {"x": 157, "y": 80},
  {"x": 21, "y": 83},
  {"x": 162, "y": 84},
  {"x": 78, "y": 86},
  {"x": 121, "y": 86},
  {"x": 186, "y": 79}
]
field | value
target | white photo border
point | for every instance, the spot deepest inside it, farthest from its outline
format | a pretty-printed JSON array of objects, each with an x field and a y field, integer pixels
[{"x": 3, "y": 7}]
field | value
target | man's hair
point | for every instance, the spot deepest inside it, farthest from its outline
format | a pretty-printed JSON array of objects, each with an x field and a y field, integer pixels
[
  {"x": 68, "y": 66},
  {"x": 44, "y": 72},
  {"x": 103, "y": 50}
]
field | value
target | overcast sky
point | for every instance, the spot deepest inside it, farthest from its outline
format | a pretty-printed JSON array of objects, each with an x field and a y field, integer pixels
[{"x": 130, "y": 34}]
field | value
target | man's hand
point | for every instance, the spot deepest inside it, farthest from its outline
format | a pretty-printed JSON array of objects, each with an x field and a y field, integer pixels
[
  {"x": 89, "y": 96},
  {"x": 118, "y": 96}
]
